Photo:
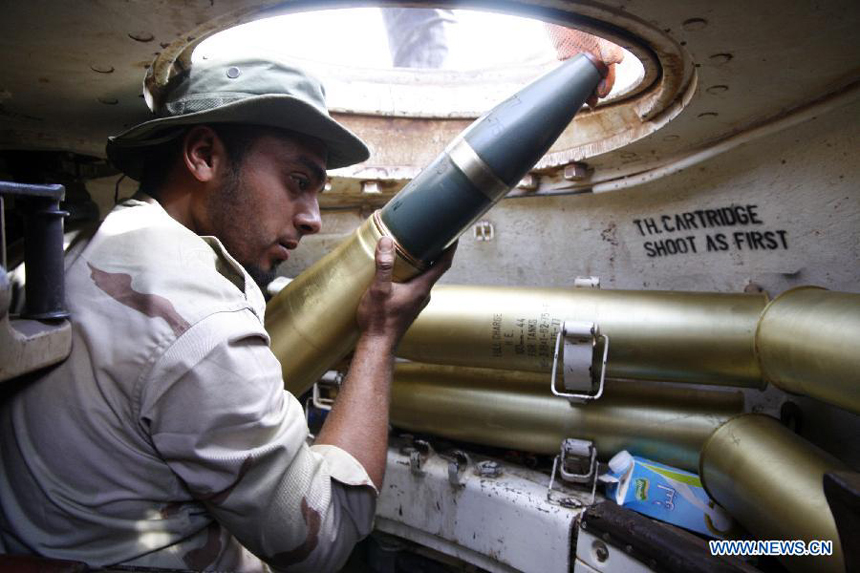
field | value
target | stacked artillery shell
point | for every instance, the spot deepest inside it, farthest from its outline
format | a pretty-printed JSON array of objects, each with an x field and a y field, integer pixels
[
  {"x": 771, "y": 481},
  {"x": 808, "y": 342},
  {"x": 517, "y": 410},
  {"x": 312, "y": 321},
  {"x": 702, "y": 338}
]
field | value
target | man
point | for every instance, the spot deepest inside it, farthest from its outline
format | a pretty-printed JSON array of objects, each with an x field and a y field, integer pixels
[{"x": 166, "y": 439}]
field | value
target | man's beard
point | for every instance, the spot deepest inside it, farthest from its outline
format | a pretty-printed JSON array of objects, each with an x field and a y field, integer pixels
[
  {"x": 261, "y": 277},
  {"x": 229, "y": 208}
]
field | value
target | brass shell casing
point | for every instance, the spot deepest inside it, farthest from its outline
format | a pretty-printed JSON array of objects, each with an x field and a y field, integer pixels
[
  {"x": 312, "y": 320},
  {"x": 771, "y": 481},
  {"x": 703, "y": 338},
  {"x": 517, "y": 410},
  {"x": 808, "y": 342}
]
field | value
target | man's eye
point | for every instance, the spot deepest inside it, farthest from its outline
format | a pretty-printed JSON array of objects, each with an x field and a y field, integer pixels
[{"x": 302, "y": 182}]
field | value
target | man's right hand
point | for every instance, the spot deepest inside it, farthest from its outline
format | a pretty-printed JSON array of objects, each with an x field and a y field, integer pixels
[{"x": 387, "y": 309}]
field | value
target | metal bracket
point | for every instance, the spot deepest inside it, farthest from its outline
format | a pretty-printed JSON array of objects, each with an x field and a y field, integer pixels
[
  {"x": 457, "y": 467},
  {"x": 418, "y": 453},
  {"x": 580, "y": 343},
  {"x": 573, "y": 451}
]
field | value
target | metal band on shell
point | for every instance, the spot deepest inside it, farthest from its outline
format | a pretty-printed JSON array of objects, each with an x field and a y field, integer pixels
[
  {"x": 404, "y": 254},
  {"x": 474, "y": 168}
]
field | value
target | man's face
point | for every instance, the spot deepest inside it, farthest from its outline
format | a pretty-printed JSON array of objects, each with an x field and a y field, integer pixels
[{"x": 262, "y": 208}]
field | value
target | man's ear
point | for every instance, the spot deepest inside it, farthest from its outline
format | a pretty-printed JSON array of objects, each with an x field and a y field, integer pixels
[{"x": 203, "y": 153}]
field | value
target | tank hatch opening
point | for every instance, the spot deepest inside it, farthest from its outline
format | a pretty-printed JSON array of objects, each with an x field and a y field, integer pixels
[
  {"x": 417, "y": 62},
  {"x": 407, "y": 80}
]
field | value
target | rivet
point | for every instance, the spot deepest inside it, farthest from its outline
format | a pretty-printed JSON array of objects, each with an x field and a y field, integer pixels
[
  {"x": 108, "y": 100},
  {"x": 694, "y": 24},
  {"x": 709, "y": 114},
  {"x": 714, "y": 90},
  {"x": 601, "y": 552},
  {"x": 721, "y": 58},
  {"x": 141, "y": 36},
  {"x": 233, "y": 72},
  {"x": 102, "y": 69}
]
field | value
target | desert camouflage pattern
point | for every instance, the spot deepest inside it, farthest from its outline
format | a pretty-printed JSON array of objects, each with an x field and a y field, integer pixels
[{"x": 166, "y": 439}]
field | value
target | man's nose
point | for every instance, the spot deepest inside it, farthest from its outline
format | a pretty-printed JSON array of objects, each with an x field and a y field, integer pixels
[{"x": 307, "y": 219}]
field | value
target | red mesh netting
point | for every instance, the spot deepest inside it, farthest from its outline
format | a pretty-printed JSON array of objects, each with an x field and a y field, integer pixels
[{"x": 568, "y": 42}]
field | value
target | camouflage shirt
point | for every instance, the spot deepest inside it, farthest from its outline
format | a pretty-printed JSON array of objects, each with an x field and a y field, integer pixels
[{"x": 166, "y": 439}]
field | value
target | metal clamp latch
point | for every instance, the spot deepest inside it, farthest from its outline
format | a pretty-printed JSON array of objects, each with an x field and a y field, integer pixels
[
  {"x": 320, "y": 399},
  {"x": 332, "y": 378},
  {"x": 578, "y": 454},
  {"x": 580, "y": 344},
  {"x": 457, "y": 467},
  {"x": 418, "y": 453}
]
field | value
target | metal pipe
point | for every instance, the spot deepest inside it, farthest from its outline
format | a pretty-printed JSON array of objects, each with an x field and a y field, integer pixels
[
  {"x": 312, "y": 321},
  {"x": 808, "y": 342},
  {"x": 703, "y": 338},
  {"x": 43, "y": 248},
  {"x": 771, "y": 481},
  {"x": 516, "y": 410},
  {"x": 690, "y": 158}
]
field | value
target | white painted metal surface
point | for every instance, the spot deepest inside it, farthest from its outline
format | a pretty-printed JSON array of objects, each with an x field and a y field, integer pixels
[
  {"x": 502, "y": 523},
  {"x": 595, "y": 556}
]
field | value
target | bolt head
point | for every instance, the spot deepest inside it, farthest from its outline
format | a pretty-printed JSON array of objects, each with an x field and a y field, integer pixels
[
  {"x": 601, "y": 552},
  {"x": 576, "y": 172}
]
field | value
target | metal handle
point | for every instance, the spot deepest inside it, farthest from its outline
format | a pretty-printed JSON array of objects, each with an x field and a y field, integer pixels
[
  {"x": 580, "y": 341},
  {"x": 573, "y": 448}
]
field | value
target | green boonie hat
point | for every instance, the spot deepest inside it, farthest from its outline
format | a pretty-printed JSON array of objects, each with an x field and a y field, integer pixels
[{"x": 246, "y": 91}]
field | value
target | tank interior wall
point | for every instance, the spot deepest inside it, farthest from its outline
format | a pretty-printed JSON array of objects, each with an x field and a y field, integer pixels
[{"x": 802, "y": 184}]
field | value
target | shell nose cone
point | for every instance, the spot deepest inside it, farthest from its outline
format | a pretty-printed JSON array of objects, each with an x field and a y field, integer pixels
[
  {"x": 487, "y": 160},
  {"x": 514, "y": 135}
]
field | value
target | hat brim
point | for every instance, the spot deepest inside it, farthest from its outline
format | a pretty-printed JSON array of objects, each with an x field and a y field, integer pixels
[{"x": 128, "y": 149}]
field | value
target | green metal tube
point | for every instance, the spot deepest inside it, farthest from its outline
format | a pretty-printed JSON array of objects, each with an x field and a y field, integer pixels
[
  {"x": 517, "y": 410},
  {"x": 704, "y": 338},
  {"x": 808, "y": 342},
  {"x": 771, "y": 481}
]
